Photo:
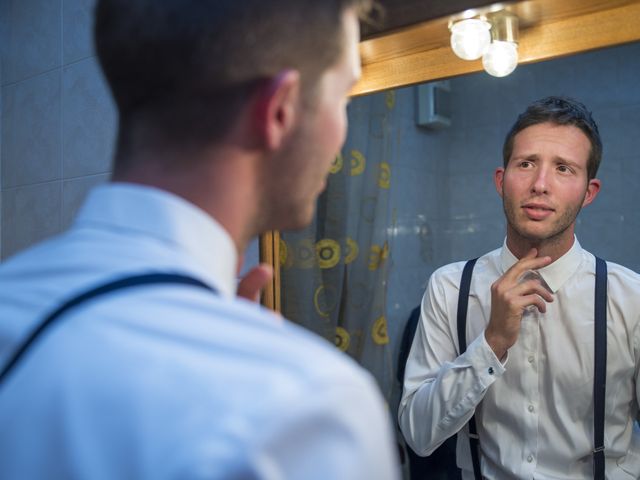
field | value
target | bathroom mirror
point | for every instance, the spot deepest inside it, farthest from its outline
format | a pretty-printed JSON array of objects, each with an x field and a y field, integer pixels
[
  {"x": 413, "y": 187},
  {"x": 420, "y": 52}
]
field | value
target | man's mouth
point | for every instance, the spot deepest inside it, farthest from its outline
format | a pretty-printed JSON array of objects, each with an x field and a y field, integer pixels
[{"x": 537, "y": 211}]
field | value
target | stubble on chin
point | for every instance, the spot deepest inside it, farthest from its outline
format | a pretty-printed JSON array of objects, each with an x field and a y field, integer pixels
[{"x": 550, "y": 235}]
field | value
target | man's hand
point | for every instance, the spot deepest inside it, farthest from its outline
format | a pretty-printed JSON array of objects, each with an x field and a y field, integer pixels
[
  {"x": 509, "y": 299},
  {"x": 254, "y": 281}
]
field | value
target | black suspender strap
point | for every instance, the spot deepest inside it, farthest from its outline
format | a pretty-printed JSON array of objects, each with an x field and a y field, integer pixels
[
  {"x": 600, "y": 375},
  {"x": 600, "y": 361},
  {"x": 463, "y": 304},
  {"x": 127, "y": 282}
]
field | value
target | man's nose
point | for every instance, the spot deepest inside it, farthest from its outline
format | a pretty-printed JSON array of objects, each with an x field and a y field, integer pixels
[{"x": 540, "y": 181}]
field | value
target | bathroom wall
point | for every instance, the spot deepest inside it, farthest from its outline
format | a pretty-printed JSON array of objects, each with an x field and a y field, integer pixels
[
  {"x": 57, "y": 118},
  {"x": 421, "y": 206}
]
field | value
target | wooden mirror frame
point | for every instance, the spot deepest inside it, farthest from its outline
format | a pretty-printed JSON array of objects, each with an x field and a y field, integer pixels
[{"x": 421, "y": 53}]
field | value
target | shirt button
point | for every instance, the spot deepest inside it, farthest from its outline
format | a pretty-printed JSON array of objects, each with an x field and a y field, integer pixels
[
  {"x": 530, "y": 458},
  {"x": 531, "y": 408},
  {"x": 531, "y": 359},
  {"x": 490, "y": 370}
]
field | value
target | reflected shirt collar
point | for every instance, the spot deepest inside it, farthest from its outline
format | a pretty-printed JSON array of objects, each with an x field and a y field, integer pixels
[{"x": 554, "y": 274}]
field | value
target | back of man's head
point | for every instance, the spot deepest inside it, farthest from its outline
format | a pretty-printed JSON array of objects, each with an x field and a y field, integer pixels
[
  {"x": 182, "y": 69},
  {"x": 559, "y": 111}
]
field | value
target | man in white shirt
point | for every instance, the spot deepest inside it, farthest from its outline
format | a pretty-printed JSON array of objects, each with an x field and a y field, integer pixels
[
  {"x": 528, "y": 371},
  {"x": 231, "y": 113}
]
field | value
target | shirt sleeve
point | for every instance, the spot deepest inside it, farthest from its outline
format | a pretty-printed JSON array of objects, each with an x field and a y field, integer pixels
[{"x": 442, "y": 388}]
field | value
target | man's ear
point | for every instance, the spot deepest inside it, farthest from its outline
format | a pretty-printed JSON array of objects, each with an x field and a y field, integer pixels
[
  {"x": 498, "y": 179},
  {"x": 593, "y": 187},
  {"x": 276, "y": 109}
]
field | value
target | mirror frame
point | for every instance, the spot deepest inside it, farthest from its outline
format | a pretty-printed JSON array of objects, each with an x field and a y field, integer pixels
[{"x": 421, "y": 53}]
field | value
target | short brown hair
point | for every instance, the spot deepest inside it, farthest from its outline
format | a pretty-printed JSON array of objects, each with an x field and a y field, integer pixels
[
  {"x": 559, "y": 111},
  {"x": 186, "y": 66}
]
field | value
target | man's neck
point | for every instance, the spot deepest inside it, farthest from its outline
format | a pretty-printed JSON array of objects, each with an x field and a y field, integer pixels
[
  {"x": 220, "y": 183},
  {"x": 554, "y": 247}
]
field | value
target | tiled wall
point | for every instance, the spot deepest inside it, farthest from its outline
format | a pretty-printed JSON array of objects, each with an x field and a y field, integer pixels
[
  {"x": 57, "y": 121},
  {"x": 420, "y": 206},
  {"x": 607, "y": 82}
]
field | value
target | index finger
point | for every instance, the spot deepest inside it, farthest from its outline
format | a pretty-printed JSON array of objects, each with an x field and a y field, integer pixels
[
  {"x": 254, "y": 282},
  {"x": 529, "y": 262}
]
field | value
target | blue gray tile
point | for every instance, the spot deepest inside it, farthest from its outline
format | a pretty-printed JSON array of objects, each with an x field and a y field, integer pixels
[
  {"x": 628, "y": 73},
  {"x": 606, "y": 234},
  {"x": 474, "y": 195},
  {"x": 471, "y": 238},
  {"x": 251, "y": 256},
  {"x": 74, "y": 192},
  {"x": 477, "y": 150},
  {"x": 77, "y": 24},
  {"x": 29, "y": 214},
  {"x": 34, "y": 36},
  {"x": 5, "y": 11},
  {"x": 31, "y": 143},
  {"x": 89, "y": 120}
]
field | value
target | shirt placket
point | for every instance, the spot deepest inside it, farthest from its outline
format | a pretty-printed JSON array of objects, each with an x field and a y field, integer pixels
[{"x": 530, "y": 340}]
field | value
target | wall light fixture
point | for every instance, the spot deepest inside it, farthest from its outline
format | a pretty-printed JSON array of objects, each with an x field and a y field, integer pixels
[
  {"x": 470, "y": 38},
  {"x": 501, "y": 58},
  {"x": 494, "y": 37}
]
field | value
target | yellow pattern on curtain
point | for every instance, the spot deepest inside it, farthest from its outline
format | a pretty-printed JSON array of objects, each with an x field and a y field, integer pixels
[{"x": 334, "y": 273}]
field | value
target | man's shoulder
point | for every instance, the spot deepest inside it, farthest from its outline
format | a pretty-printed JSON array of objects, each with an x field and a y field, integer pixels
[
  {"x": 621, "y": 270},
  {"x": 614, "y": 270},
  {"x": 33, "y": 256},
  {"x": 242, "y": 332},
  {"x": 623, "y": 276},
  {"x": 318, "y": 359},
  {"x": 453, "y": 271}
]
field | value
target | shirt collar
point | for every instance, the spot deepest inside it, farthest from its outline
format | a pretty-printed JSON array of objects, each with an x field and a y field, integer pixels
[
  {"x": 166, "y": 216},
  {"x": 554, "y": 274}
]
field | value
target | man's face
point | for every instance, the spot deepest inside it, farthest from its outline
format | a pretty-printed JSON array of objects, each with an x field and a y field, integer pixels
[
  {"x": 319, "y": 136},
  {"x": 545, "y": 184}
]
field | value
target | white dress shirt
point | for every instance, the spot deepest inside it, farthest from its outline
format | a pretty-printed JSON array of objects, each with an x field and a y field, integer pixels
[
  {"x": 171, "y": 381},
  {"x": 534, "y": 413}
]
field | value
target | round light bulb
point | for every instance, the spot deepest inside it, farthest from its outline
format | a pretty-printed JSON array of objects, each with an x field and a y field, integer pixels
[
  {"x": 501, "y": 58},
  {"x": 470, "y": 38}
]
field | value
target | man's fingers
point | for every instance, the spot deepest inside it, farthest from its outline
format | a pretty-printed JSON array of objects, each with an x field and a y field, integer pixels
[
  {"x": 528, "y": 262},
  {"x": 533, "y": 286},
  {"x": 535, "y": 299},
  {"x": 254, "y": 281}
]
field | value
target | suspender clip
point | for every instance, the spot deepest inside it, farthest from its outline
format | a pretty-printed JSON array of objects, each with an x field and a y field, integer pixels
[
  {"x": 598, "y": 449},
  {"x": 475, "y": 436}
]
